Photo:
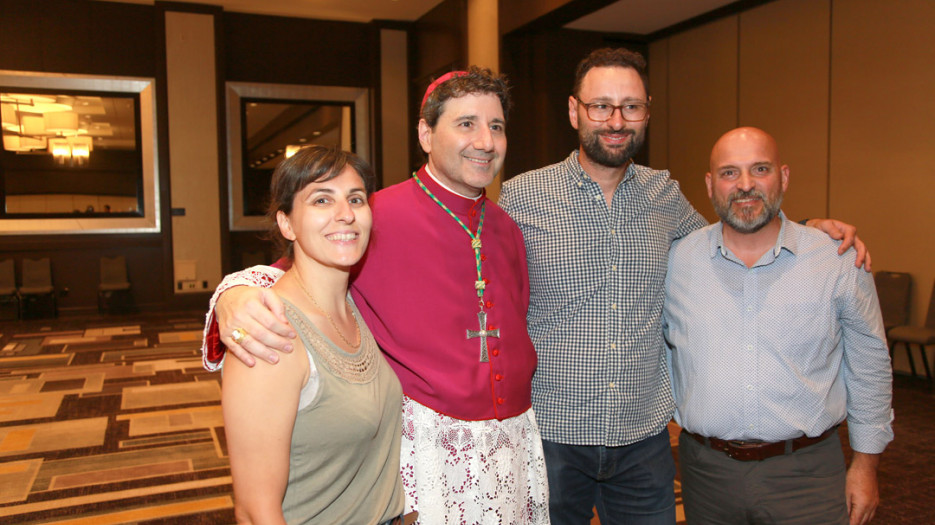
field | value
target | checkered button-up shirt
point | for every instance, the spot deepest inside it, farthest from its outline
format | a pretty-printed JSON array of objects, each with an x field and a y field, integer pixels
[{"x": 596, "y": 291}]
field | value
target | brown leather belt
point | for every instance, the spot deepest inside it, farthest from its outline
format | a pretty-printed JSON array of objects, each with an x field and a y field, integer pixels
[{"x": 757, "y": 451}]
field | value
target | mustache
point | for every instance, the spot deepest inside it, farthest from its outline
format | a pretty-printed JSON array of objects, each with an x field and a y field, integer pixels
[
  {"x": 746, "y": 195},
  {"x": 624, "y": 131}
]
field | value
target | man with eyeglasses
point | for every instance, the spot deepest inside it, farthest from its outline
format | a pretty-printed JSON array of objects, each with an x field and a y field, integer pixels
[{"x": 597, "y": 229}]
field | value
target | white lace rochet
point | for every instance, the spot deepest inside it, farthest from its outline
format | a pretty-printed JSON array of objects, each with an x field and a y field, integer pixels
[{"x": 473, "y": 472}]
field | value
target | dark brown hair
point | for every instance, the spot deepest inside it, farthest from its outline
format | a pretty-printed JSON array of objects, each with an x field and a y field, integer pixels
[
  {"x": 610, "y": 57},
  {"x": 309, "y": 164},
  {"x": 477, "y": 81}
]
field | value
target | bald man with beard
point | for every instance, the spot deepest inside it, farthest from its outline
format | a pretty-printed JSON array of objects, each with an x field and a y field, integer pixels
[{"x": 774, "y": 342}]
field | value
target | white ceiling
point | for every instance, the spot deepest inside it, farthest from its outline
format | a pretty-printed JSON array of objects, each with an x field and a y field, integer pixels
[{"x": 624, "y": 16}]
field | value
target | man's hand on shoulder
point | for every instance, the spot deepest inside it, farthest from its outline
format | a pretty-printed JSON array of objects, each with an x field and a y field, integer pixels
[
  {"x": 862, "y": 491},
  {"x": 260, "y": 313},
  {"x": 847, "y": 234}
]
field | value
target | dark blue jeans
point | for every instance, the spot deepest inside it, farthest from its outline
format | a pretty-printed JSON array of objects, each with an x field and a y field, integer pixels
[{"x": 632, "y": 484}]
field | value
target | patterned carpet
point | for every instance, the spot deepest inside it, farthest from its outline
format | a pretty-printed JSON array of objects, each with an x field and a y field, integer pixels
[
  {"x": 110, "y": 422},
  {"x": 106, "y": 421}
]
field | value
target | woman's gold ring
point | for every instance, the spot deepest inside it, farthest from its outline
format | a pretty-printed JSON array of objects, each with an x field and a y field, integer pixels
[{"x": 238, "y": 335}]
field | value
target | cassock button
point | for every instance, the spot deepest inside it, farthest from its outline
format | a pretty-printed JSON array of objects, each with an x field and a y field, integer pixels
[
  {"x": 495, "y": 352},
  {"x": 486, "y": 280},
  {"x": 483, "y": 257},
  {"x": 489, "y": 304},
  {"x": 498, "y": 377},
  {"x": 491, "y": 327},
  {"x": 500, "y": 400},
  {"x": 473, "y": 213}
]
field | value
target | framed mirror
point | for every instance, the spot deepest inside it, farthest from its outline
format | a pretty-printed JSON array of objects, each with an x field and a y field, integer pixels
[
  {"x": 268, "y": 122},
  {"x": 78, "y": 154}
]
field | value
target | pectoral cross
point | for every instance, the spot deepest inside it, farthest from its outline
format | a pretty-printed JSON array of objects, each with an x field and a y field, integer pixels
[{"x": 483, "y": 333}]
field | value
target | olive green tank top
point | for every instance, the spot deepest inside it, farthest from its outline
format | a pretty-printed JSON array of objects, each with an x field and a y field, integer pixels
[{"x": 344, "y": 458}]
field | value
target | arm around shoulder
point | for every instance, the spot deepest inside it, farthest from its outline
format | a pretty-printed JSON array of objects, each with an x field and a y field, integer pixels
[
  {"x": 847, "y": 234},
  {"x": 689, "y": 219},
  {"x": 241, "y": 302}
]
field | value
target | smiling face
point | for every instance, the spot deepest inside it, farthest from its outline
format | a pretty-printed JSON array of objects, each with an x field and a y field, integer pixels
[
  {"x": 614, "y": 142},
  {"x": 746, "y": 182},
  {"x": 330, "y": 221},
  {"x": 467, "y": 146}
]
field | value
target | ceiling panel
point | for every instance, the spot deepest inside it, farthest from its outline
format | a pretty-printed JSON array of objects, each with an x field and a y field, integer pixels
[
  {"x": 642, "y": 17},
  {"x": 625, "y": 16},
  {"x": 344, "y": 10}
]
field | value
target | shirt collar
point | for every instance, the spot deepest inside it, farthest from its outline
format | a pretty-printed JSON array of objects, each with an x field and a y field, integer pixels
[
  {"x": 786, "y": 239},
  {"x": 455, "y": 201},
  {"x": 442, "y": 184},
  {"x": 580, "y": 177}
]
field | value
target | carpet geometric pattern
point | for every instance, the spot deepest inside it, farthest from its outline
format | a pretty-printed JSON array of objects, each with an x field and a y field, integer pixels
[
  {"x": 110, "y": 421},
  {"x": 113, "y": 420}
]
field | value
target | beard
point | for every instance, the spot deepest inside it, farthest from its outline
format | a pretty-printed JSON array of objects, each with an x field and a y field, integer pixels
[
  {"x": 747, "y": 221},
  {"x": 610, "y": 157}
]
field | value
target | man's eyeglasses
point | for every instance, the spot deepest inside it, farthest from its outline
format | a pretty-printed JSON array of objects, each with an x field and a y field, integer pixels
[{"x": 602, "y": 111}]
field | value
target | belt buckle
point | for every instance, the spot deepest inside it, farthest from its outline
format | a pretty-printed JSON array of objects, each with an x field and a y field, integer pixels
[{"x": 742, "y": 451}]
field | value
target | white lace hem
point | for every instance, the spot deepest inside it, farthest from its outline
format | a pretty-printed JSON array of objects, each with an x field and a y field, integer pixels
[{"x": 473, "y": 472}]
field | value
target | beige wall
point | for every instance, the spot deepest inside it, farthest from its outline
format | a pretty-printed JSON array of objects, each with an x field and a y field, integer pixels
[
  {"x": 193, "y": 161},
  {"x": 395, "y": 106},
  {"x": 784, "y": 74},
  {"x": 848, "y": 89},
  {"x": 702, "y": 101}
]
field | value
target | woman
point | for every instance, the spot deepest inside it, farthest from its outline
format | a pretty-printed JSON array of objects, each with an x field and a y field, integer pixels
[{"x": 315, "y": 439}]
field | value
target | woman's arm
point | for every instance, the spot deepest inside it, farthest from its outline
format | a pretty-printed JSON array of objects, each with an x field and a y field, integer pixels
[{"x": 259, "y": 406}]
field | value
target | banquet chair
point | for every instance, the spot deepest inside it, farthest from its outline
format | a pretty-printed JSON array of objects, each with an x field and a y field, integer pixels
[
  {"x": 893, "y": 292},
  {"x": 922, "y": 336},
  {"x": 9, "y": 297},
  {"x": 36, "y": 291},
  {"x": 113, "y": 294}
]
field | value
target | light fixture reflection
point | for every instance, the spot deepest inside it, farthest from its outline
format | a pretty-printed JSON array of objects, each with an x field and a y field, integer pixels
[
  {"x": 292, "y": 149},
  {"x": 60, "y": 150}
]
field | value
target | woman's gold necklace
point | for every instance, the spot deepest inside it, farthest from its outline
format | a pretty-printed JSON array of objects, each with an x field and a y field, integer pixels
[{"x": 328, "y": 316}]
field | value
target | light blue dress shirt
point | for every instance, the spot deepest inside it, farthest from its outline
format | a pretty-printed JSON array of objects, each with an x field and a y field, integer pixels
[{"x": 788, "y": 347}]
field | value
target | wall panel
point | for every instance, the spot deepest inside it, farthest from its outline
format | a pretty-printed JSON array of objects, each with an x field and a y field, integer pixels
[
  {"x": 284, "y": 50},
  {"x": 193, "y": 146},
  {"x": 702, "y": 102},
  {"x": 65, "y": 36},
  {"x": 658, "y": 137},
  {"x": 883, "y": 131},
  {"x": 395, "y": 107},
  {"x": 784, "y": 91}
]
